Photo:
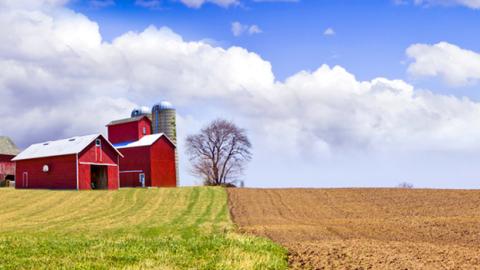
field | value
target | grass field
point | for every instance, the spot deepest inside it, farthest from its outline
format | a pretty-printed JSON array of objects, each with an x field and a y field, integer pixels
[{"x": 183, "y": 228}]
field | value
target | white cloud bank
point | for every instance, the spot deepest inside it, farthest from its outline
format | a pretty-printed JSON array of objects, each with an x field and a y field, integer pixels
[
  {"x": 457, "y": 66},
  {"x": 59, "y": 78}
]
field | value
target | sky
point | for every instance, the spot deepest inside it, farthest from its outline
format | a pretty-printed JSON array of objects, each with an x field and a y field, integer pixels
[{"x": 332, "y": 93}]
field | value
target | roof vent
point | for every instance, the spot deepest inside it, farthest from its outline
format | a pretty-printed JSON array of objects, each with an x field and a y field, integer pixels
[
  {"x": 71, "y": 140},
  {"x": 45, "y": 143}
]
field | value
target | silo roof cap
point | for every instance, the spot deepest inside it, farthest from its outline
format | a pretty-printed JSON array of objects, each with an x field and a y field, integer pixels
[{"x": 164, "y": 105}]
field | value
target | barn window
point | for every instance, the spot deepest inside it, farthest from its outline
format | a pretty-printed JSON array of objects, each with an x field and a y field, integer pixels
[
  {"x": 98, "y": 142},
  {"x": 144, "y": 130}
]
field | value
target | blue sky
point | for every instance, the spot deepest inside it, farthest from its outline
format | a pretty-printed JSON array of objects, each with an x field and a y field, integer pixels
[
  {"x": 370, "y": 36},
  {"x": 333, "y": 93}
]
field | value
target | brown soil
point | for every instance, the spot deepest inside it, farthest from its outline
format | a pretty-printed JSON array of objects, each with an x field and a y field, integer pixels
[{"x": 365, "y": 228}]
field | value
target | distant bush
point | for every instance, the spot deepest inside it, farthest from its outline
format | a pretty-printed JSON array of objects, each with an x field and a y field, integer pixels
[{"x": 405, "y": 185}]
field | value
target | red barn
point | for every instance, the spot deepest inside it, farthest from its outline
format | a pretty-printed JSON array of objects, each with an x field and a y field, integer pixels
[
  {"x": 149, "y": 159},
  {"x": 129, "y": 129},
  {"x": 8, "y": 150},
  {"x": 82, "y": 163},
  {"x": 148, "y": 162}
]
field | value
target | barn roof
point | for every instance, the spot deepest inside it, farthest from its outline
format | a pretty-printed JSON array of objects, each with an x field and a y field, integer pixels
[
  {"x": 144, "y": 141},
  {"x": 68, "y": 146},
  {"x": 127, "y": 120},
  {"x": 7, "y": 147}
]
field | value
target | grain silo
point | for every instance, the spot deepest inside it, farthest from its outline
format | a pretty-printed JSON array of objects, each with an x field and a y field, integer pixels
[{"x": 164, "y": 121}]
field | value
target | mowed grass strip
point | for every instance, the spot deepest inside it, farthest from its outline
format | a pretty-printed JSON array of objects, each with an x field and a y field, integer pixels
[{"x": 182, "y": 228}]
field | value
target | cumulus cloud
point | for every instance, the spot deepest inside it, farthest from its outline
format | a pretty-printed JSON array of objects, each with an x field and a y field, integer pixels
[
  {"x": 31, "y": 4},
  {"x": 101, "y": 3},
  {"x": 199, "y": 3},
  {"x": 457, "y": 66},
  {"x": 239, "y": 29},
  {"x": 329, "y": 32},
  {"x": 148, "y": 3},
  {"x": 71, "y": 82},
  {"x": 474, "y": 4}
]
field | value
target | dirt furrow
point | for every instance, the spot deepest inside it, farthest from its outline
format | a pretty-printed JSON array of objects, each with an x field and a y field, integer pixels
[{"x": 365, "y": 228}]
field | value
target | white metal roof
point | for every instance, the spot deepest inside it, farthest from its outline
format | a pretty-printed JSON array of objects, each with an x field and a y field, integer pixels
[
  {"x": 146, "y": 140},
  {"x": 73, "y": 145}
]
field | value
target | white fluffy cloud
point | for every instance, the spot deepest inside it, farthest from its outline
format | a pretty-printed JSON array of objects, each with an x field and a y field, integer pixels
[
  {"x": 239, "y": 29},
  {"x": 148, "y": 3},
  {"x": 199, "y": 3},
  {"x": 59, "y": 78},
  {"x": 474, "y": 4},
  {"x": 455, "y": 65},
  {"x": 188, "y": 3},
  {"x": 329, "y": 32}
]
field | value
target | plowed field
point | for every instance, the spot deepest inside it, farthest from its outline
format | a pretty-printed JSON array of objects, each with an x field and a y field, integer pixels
[{"x": 365, "y": 228}]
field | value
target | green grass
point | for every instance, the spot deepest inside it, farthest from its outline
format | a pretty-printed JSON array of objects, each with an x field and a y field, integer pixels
[{"x": 182, "y": 228}]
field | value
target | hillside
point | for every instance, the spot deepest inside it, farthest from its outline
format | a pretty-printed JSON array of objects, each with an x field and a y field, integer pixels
[
  {"x": 365, "y": 228},
  {"x": 182, "y": 228}
]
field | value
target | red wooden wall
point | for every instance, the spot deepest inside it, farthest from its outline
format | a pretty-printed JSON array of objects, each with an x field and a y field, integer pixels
[
  {"x": 61, "y": 174},
  {"x": 104, "y": 155},
  {"x": 84, "y": 179},
  {"x": 163, "y": 163},
  {"x": 130, "y": 131},
  {"x": 93, "y": 155},
  {"x": 136, "y": 161},
  {"x": 7, "y": 167}
]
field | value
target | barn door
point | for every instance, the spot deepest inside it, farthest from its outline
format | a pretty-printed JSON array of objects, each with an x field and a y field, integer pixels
[{"x": 25, "y": 180}]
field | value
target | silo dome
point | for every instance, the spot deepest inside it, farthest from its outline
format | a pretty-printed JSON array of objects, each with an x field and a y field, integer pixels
[
  {"x": 164, "y": 105},
  {"x": 140, "y": 111}
]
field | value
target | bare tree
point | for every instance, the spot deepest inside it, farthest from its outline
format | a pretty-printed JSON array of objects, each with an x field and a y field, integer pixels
[{"x": 219, "y": 153}]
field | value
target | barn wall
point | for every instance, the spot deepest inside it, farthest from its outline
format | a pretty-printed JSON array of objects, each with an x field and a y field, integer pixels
[
  {"x": 163, "y": 163},
  {"x": 135, "y": 159},
  {"x": 144, "y": 123},
  {"x": 105, "y": 155},
  {"x": 113, "y": 175},
  {"x": 84, "y": 177},
  {"x": 7, "y": 167},
  {"x": 129, "y": 132},
  {"x": 61, "y": 175}
]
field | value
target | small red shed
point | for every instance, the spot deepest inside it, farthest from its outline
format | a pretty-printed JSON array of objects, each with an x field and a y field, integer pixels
[
  {"x": 148, "y": 162},
  {"x": 129, "y": 129},
  {"x": 8, "y": 150},
  {"x": 82, "y": 163}
]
